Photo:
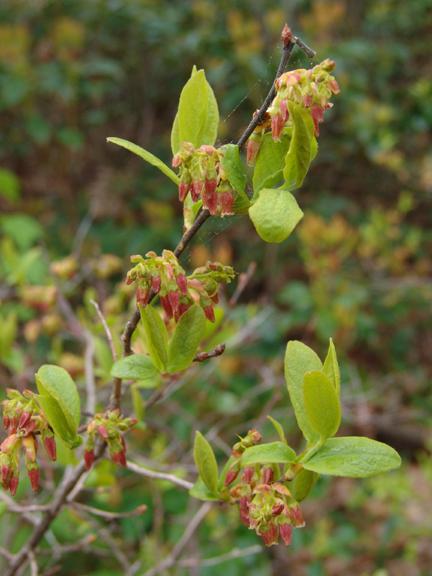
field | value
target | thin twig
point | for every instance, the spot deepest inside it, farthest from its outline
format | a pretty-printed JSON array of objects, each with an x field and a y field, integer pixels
[
  {"x": 244, "y": 279},
  {"x": 154, "y": 475},
  {"x": 215, "y": 560},
  {"x": 109, "y": 515},
  {"x": 106, "y": 328},
  {"x": 203, "y": 356}
]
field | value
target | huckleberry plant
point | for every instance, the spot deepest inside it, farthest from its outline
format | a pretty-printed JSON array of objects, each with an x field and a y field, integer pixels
[{"x": 265, "y": 480}]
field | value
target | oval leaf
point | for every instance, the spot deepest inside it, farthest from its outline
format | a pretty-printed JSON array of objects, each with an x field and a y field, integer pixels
[
  {"x": 200, "y": 491},
  {"x": 54, "y": 382},
  {"x": 186, "y": 339},
  {"x": 303, "y": 146},
  {"x": 300, "y": 359},
  {"x": 197, "y": 117},
  {"x": 303, "y": 484},
  {"x": 135, "y": 367},
  {"x": 331, "y": 367},
  {"x": 156, "y": 336},
  {"x": 268, "y": 170},
  {"x": 354, "y": 457},
  {"x": 271, "y": 453},
  {"x": 275, "y": 214},
  {"x": 321, "y": 403},
  {"x": 147, "y": 156},
  {"x": 57, "y": 421},
  {"x": 205, "y": 461}
]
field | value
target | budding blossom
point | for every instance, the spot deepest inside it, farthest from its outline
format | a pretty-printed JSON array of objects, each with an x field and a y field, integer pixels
[
  {"x": 110, "y": 427},
  {"x": 311, "y": 89},
  {"x": 265, "y": 503},
  {"x": 164, "y": 276},
  {"x": 24, "y": 423},
  {"x": 202, "y": 175}
]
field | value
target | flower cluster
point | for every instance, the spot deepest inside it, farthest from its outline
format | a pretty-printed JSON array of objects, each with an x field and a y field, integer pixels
[
  {"x": 110, "y": 427},
  {"x": 311, "y": 89},
  {"x": 202, "y": 175},
  {"x": 164, "y": 276},
  {"x": 24, "y": 422},
  {"x": 265, "y": 503}
]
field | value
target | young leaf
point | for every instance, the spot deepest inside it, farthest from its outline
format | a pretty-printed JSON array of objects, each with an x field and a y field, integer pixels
[
  {"x": 186, "y": 339},
  {"x": 268, "y": 170},
  {"x": 58, "y": 421},
  {"x": 200, "y": 491},
  {"x": 275, "y": 214},
  {"x": 147, "y": 156},
  {"x": 156, "y": 336},
  {"x": 235, "y": 172},
  {"x": 300, "y": 359},
  {"x": 303, "y": 146},
  {"x": 197, "y": 117},
  {"x": 135, "y": 367},
  {"x": 354, "y": 457},
  {"x": 303, "y": 484},
  {"x": 205, "y": 461},
  {"x": 278, "y": 427},
  {"x": 271, "y": 453},
  {"x": 54, "y": 382},
  {"x": 321, "y": 404},
  {"x": 331, "y": 367}
]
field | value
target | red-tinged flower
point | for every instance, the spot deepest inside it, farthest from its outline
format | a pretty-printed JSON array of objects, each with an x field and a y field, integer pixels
[
  {"x": 30, "y": 447},
  {"x": 197, "y": 189},
  {"x": 296, "y": 516},
  {"x": 278, "y": 509},
  {"x": 50, "y": 446},
  {"x": 183, "y": 308},
  {"x": 271, "y": 535},
  {"x": 248, "y": 474},
  {"x": 209, "y": 196},
  {"x": 267, "y": 475},
  {"x": 33, "y": 474},
  {"x": 5, "y": 470},
  {"x": 231, "y": 476},
  {"x": 286, "y": 531},
  {"x": 155, "y": 283},
  {"x": 277, "y": 125},
  {"x": 284, "y": 110},
  {"x": 119, "y": 457},
  {"x": 244, "y": 510},
  {"x": 174, "y": 300},
  {"x": 209, "y": 313},
  {"x": 13, "y": 484},
  {"x": 182, "y": 283},
  {"x": 142, "y": 295},
  {"x": 183, "y": 190},
  {"x": 24, "y": 419},
  {"x": 317, "y": 113},
  {"x": 176, "y": 161},
  {"x": 226, "y": 203},
  {"x": 89, "y": 458},
  {"x": 166, "y": 306},
  {"x": 252, "y": 149},
  {"x": 6, "y": 422}
]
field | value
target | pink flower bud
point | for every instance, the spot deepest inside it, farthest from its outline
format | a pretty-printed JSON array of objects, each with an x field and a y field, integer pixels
[
  {"x": 102, "y": 429},
  {"x": 155, "y": 283},
  {"x": 50, "y": 447},
  {"x": 286, "y": 531},
  {"x": 174, "y": 300},
  {"x": 231, "y": 476},
  {"x": 284, "y": 110},
  {"x": 267, "y": 475},
  {"x": 252, "y": 150},
  {"x": 183, "y": 190},
  {"x": 24, "y": 419},
  {"x": 226, "y": 203},
  {"x": 317, "y": 117},
  {"x": 196, "y": 190},
  {"x": 209, "y": 313},
  {"x": 6, "y": 422},
  {"x": 248, "y": 474},
  {"x": 13, "y": 484},
  {"x": 277, "y": 125},
  {"x": 33, "y": 474},
  {"x": 244, "y": 510},
  {"x": 89, "y": 458},
  {"x": 278, "y": 509},
  {"x": 119, "y": 458},
  {"x": 142, "y": 296},
  {"x": 182, "y": 308},
  {"x": 166, "y": 306},
  {"x": 182, "y": 283},
  {"x": 296, "y": 516}
]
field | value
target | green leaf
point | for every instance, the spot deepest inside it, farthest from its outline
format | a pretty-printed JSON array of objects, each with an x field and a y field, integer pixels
[
  {"x": 186, "y": 339},
  {"x": 235, "y": 172},
  {"x": 275, "y": 214},
  {"x": 137, "y": 402},
  {"x": 303, "y": 484},
  {"x": 147, "y": 156},
  {"x": 268, "y": 170},
  {"x": 300, "y": 359},
  {"x": 197, "y": 117},
  {"x": 271, "y": 453},
  {"x": 156, "y": 336},
  {"x": 10, "y": 187},
  {"x": 200, "y": 491},
  {"x": 58, "y": 421},
  {"x": 353, "y": 456},
  {"x": 135, "y": 367},
  {"x": 321, "y": 404},
  {"x": 205, "y": 461},
  {"x": 56, "y": 384},
  {"x": 303, "y": 146},
  {"x": 278, "y": 427},
  {"x": 331, "y": 367}
]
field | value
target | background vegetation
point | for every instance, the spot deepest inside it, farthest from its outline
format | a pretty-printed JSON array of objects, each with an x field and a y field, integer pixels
[{"x": 358, "y": 268}]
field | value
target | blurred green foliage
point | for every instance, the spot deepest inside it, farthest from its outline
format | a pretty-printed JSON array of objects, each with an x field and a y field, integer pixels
[{"x": 358, "y": 268}]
